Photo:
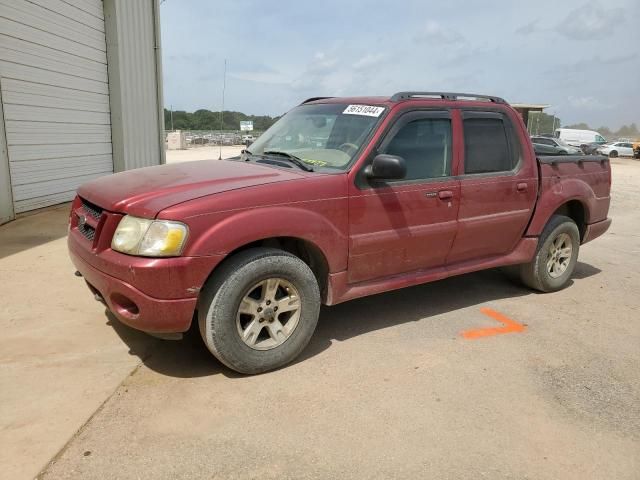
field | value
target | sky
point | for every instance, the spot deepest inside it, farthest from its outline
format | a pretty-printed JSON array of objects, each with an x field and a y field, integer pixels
[{"x": 580, "y": 57}]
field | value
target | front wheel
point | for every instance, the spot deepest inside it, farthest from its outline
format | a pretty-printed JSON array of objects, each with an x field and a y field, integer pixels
[
  {"x": 259, "y": 310},
  {"x": 613, "y": 154},
  {"x": 555, "y": 258}
]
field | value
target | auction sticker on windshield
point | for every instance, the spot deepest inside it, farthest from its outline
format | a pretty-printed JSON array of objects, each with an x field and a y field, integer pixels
[{"x": 368, "y": 110}]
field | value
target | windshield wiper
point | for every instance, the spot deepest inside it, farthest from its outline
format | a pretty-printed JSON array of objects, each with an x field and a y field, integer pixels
[{"x": 292, "y": 158}]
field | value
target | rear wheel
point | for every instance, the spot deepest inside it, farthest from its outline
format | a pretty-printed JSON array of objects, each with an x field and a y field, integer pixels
[
  {"x": 259, "y": 311},
  {"x": 555, "y": 258}
]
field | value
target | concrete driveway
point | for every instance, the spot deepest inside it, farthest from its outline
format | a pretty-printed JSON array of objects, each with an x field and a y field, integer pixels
[{"x": 388, "y": 388}]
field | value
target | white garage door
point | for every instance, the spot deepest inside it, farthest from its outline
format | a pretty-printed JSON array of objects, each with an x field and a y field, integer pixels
[{"x": 53, "y": 78}]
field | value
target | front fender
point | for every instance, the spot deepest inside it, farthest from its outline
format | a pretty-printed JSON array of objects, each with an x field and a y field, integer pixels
[
  {"x": 557, "y": 191},
  {"x": 228, "y": 231}
]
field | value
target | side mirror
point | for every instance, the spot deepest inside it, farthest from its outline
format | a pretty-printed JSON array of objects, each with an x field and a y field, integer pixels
[{"x": 386, "y": 167}]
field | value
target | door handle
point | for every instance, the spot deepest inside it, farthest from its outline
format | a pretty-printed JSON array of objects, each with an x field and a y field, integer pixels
[
  {"x": 522, "y": 187},
  {"x": 445, "y": 194}
]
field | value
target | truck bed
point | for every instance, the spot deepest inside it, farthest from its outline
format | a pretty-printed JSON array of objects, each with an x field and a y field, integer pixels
[
  {"x": 556, "y": 159},
  {"x": 586, "y": 177}
]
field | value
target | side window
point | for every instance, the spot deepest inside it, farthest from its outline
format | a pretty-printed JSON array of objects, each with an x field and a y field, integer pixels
[
  {"x": 486, "y": 146},
  {"x": 425, "y": 145}
]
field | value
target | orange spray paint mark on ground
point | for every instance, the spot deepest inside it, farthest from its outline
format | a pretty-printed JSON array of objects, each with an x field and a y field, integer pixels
[{"x": 510, "y": 326}]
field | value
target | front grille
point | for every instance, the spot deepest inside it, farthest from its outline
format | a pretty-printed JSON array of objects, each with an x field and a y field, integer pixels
[
  {"x": 88, "y": 217},
  {"x": 91, "y": 209},
  {"x": 87, "y": 231}
]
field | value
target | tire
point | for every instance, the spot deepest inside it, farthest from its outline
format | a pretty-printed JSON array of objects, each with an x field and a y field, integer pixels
[
  {"x": 563, "y": 152},
  {"x": 613, "y": 154},
  {"x": 536, "y": 274},
  {"x": 243, "y": 279}
]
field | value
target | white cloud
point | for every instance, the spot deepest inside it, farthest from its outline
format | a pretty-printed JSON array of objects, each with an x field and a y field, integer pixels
[
  {"x": 369, "y": 61},
  {"x": 591, "y": 22},
  {"x": 436, "y": 33},
  {"x": 588, "y": 103},
  {"x": 529, "y": 28}
]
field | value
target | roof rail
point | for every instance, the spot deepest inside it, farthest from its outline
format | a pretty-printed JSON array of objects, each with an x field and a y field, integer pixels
[
  {"x": 313, "y": 99},
  {"x": 446, "y": 96}
]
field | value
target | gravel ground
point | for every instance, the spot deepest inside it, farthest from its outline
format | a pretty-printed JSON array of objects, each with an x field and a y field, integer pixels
[{"x": 389, "y": 388}]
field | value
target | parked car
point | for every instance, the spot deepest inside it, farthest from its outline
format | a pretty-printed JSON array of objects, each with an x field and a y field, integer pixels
[
  {"x": 617, "y": 149},
  {"x": 403, "y": 190},
  {"x": 560, "y": 144},
  {"x": 579, "y": 138},
  {"x": 541, "y": 149},
  {"x": 591, "y": 148}
]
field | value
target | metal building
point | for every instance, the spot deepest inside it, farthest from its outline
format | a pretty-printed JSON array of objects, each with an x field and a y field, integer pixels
[{"x": 80, "y": 96}]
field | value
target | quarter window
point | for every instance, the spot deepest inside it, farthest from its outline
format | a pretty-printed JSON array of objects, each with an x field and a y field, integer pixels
[
  {"x": 425, "y": 145},
  {"x": 486, "y": 146}
]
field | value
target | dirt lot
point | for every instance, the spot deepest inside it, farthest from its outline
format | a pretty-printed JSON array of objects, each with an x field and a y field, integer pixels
[
  {"x": 202, "y": 153},
  {"x": 388, "y": 387}
]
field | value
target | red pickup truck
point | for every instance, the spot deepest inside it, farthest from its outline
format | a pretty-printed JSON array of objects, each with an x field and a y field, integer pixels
[{"x": 341, "y": 198}]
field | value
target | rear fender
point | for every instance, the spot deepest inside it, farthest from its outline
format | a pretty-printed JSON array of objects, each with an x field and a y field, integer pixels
[{"x": 555, "y": 192}]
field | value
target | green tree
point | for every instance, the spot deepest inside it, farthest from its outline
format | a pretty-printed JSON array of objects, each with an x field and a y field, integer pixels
[
  {"x": 204, "y": 119},
  {"x": 540, "y": 123}
]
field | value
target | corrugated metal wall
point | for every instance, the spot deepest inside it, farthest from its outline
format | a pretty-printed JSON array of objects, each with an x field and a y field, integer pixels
[
  {"x": 135, "y": 83},
  {"x": 55, "y": 94}
]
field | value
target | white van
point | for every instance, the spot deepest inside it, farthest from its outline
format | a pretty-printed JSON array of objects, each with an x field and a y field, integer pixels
[{"x": 578, "y": 138}]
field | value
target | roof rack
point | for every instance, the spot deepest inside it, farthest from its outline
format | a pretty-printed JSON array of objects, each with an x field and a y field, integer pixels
[
  {"x": 446, "y": 96},
  {"x": 313, "y": 99}
]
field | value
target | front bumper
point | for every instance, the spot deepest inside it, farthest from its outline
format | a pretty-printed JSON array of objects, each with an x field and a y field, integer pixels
[{"x": 130, "y": 286}]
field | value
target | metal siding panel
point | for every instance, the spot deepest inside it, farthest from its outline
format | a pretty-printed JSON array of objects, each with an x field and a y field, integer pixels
[
  {"x": 46, "y": 77},
  {"x": 18, "y": 153},
  {"x": 33, "y": 171},
  {"x": 20, "y": 86},
  {"x": 73, "y": 12},
  {"x": 55, "y": 97},
  {"x": 26, "y": 99},
  {"x": 43, "y": 200},
  {"x": 44, "y": 114},
  {"x": 17, "y": 128},
  {"x": 65, "y": 134},
  {"x": 35, "y": 16},
  {"x": 93, "y": 7},
  {"x": 49, "y": 187},
  {"x": 7, "y": 212},
  {"x": 27, "y": 53},
  {"x": 46, "y": 39},
  {"x": 135, "y": 45}
]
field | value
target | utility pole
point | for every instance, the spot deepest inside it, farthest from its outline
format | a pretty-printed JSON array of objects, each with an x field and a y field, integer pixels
[
  {"x": 171, "y": 114},
  {"x": 224, "y": 86}
]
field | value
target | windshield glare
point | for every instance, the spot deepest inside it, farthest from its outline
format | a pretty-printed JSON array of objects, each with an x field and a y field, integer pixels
[{"x": 319, "y": 135}]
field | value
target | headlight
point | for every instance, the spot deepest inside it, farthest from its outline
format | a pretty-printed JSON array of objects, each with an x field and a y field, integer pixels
[{"x": 149, "y": 238}]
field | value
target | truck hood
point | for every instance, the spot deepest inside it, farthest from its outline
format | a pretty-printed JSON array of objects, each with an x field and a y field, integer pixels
[{"x": 145, "y": 192}]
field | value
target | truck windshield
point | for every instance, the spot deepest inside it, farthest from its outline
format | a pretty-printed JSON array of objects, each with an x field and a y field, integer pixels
[{"x": 322, "y": 135}]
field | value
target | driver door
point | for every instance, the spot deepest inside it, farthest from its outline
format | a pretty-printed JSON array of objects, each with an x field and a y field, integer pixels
[{"x": 399, "y": 226}]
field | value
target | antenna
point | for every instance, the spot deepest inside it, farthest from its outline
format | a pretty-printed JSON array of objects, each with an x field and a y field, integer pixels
[{"x": 224, "y": 86}]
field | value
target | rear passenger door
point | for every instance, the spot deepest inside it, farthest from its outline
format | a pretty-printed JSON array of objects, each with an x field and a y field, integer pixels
[{"x": 498, "y": 187}]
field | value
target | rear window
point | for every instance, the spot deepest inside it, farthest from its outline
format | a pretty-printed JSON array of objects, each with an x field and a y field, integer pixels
[{"x": 486, "y": 146}]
